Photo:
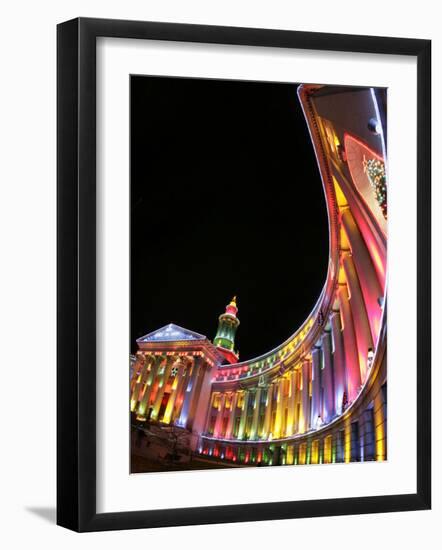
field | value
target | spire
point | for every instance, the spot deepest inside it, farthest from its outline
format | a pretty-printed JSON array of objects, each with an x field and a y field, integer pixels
[
  {"x": 232, "y": 308},
  {"x": 225, "y": 335}
]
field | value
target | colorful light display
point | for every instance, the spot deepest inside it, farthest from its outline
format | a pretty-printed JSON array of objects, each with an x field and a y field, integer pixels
[{"x": 320, "y": 397}]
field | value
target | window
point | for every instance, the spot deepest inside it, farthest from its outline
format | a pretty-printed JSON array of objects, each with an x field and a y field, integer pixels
[
  {"x": 236, "y": 428},
  {"x": 355, "y": 443},
  {"x": 261, "y": 421},
  {"x": 384, "y": 401},
  {"x": 248, "y": 426},
  {"x": 212, "y": 424},
  {"x": 340, "y": 442},
  {"x": 369, "y": 448},
  {"x": 216, "y": 400},
  {"x": 224, "y": 426}
]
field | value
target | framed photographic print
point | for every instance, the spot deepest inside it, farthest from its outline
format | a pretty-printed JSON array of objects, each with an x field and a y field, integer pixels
[{"x": 243, "y": 274}]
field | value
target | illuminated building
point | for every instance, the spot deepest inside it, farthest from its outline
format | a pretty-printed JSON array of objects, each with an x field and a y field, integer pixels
[{"x": 321, "y": 396}]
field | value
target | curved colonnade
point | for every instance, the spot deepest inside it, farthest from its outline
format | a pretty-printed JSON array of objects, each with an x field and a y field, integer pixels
[{"x": 321, "y": 396}]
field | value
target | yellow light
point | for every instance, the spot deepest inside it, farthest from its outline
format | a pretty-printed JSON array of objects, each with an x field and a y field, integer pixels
[
  {"x": 340, "y": 197},
  {"x": 328, "y": 449},
  {"x": 347, "y": 438},
  {"x": 302, "y": 453},
  {"x": 380, "y": 450},
  {"x": 315, "y": 452}
]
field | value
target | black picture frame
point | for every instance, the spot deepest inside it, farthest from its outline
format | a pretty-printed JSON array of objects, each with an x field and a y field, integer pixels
[{"x": 76, "y": 274}]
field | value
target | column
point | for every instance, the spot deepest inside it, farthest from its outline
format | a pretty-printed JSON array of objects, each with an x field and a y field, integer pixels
[
  {"x": 231, "y": 422},
  {"x": 200, "y": 410},
  {"x": 285, "y": 383},
  {"x": 305, "y": 398},
  {"x": 196, "y": 392},
  {"x": 360, "y": 319},
  {"x": 268, "y": 414},
  {"x": 163, "y": 378},
  {"x": 255, "y": 419},
  {"x": 347, "y": 440},
  {"x": 316, "y": 389},
  {"x": 279, "y": 405},
  {"x": 298, "y": 398},
  {"x": 181, "y": 390},
  {"x": 139, "y": 383},
  {"x": 190, "y": 388},
  {"x": 368, "y": 278},
  {"x": 328, "y": 408},
  {"x": 176, "y": 388},
  {"x": 219, "y": 416},
  {"x": 290, "y": 428},
  {"x": 351, "y": 350},
  {"x": 242, "y": 423},
  {"x": 137, "y": 370},
  {"x": 380, "y": 425},
  {"x": 154, "y": 364},
  {"x": 338, "y": 361}
]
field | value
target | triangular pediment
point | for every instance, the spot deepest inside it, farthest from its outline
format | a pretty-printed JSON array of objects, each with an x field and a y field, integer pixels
[{"x": 171, "y": 333}]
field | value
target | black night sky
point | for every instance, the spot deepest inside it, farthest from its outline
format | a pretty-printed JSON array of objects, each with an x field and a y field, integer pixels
[{"x": 226, "y": 199}]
